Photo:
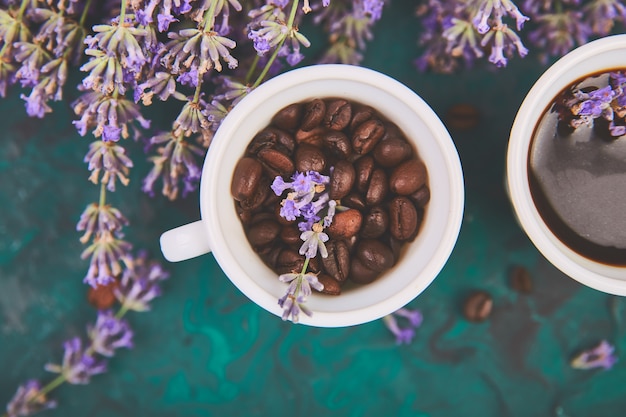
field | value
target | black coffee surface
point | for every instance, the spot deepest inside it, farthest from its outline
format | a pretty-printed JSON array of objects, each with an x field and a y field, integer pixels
[{"x": 578, "y": 182}]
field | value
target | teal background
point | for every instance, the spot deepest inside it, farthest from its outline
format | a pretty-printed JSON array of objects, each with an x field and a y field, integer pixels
[{"x": 206, "y": 350}]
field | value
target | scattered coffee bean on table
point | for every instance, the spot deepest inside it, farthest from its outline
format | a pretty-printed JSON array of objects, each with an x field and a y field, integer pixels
[
  {"x": 478, "y": 306},
  {"x": 521, "y": 280},
  {"x": 375, "y": 175}
]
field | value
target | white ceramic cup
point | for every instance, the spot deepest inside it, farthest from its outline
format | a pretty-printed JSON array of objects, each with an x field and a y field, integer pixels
[
  {"x": 220, "y": 230},
  {"x": 601, "y": 55}
]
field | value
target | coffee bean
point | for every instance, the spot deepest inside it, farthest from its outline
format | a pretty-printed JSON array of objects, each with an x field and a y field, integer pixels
[
  {"x": 338, "y": 114},
  {"x": 290, "y": 235},
  {"x": 313, "y": 137},
  {"x": 331, "y": 285},
  {"x": 276, "y": 162},
  {"x": 364, "y": 168},
  {"x": 260, "y": 195},
  {"x": 478, "y": 306},
  {"x": 263, "y": 233},
  {"x": 310, "y": 158},
  {"x": 361, "y": 274},
  {"x": 421, "y": 197},
  {"x": 289, "y": 260},
  {"x": 377, "y": 189},
  {"x": 337, "y": 263},
  {"x": 355, "y": 201},
  {"x": 102, "y": 297},
  {"x": 345, "y": 224},
  {"x": 367, "y": 135},
  {"x": 246, "y": 178},
  {"x": 289, "y": 117},
  {"x": 374, "y": 255},
  {"x": 375, "y": 223},
  {"x": 361, "y": 114},
  {"x": 314, "y": 113},
  {"x": 521, "y": 280},
  {"x": 390, "y": 152},
  {"x": 341, "y": 180},
  {"x": 337, "y": 144},
  {"x": 404, "y": 219},
  {"x": 462, "y": 117},
  {"x": 273, "y": 138},
  {"x": 408, "y": 177}
]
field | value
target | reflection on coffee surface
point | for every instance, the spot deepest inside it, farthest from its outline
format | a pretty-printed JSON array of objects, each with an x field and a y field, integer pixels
[
  {"x": 336, "y": 171},
  {"x": 577, "y": 167}
]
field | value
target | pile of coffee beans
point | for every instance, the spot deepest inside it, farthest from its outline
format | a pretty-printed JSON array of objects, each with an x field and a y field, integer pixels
[{"x": 376, "y": 177}]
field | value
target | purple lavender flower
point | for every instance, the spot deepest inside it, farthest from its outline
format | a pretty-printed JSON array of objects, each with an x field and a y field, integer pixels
[
  {"x": 558, "y": 33},
  {"x": 97, "y": 219},
  {"x": 602, "y": 15},
  {"x": 106, "y": 252},
  {"x": 600, "y": 356},
  {"x": 109, "y": 333},
  {"x": 298, "y": 291},
  {"x": 121, "y": 41},
  {"x": 404, "y": 335},
  {"x": 279, "y": 185},
  {"x": 28, "y": 400},
  {"x": 193, "y": 48},
  {"x": 139, "y": 284},
  {"x": 110, "y": 160},
  {"x": 490, "y": 9},
  {"x": 313, "y": 241},
  {"x": 163, "y": 85},
  {"x": 176, "y": 164},
  {"x": 79, "y": 365},
  {"x": 502, "y": 40}
]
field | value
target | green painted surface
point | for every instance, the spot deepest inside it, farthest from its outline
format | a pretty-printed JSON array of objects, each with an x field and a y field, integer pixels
[{"x": 206, "y": 350}]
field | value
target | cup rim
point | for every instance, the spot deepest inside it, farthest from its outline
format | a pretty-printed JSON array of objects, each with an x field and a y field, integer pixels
[
  {"x": 292, "y": 79},
  {"x": 559, "y": 75}
]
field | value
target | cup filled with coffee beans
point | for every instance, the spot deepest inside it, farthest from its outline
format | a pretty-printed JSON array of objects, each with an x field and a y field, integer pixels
[
  {"x": 331, "y": 195},
  {"x": 566, "y": 164}
]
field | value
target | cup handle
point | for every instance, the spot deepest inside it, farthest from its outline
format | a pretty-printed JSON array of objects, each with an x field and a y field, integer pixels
[{"x": 185, "y": 242}]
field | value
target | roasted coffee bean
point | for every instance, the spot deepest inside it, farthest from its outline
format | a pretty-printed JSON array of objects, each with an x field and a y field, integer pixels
[
  {"x": 102, "y": 297},
  {"x": 246, "y": 178},
  {"x": 313, "y": 137},
  {"x": 288, "y": 261},
  {"x": 375, "y": 223},
  {"x": 478, "y": 306},
  {"x": 259, "y": 197},
  {"x": 367, "y": 135},
  {"x": 390, "y": 152},
  {"x": 276, "y": 162},
  {"x": 270, "y": 257},
  {"x": 408, "y": 177},
  {"x": 374, "y": 255},
  {"x": 521, "y": 280},
  {"x": 310, "y": 158},
  {"x": 345, "y": 224},
  {"x": 462, "y": 117},
  {"x": 337, "y": 263},
  {"x": 290, "y": 235},
  {"x": 361, "y": 274},
  {"x": 341, "y": 180},
  {"x": 289, "y": 117},
  {"x": 364, "y": 167},
  {"x": 331, "y": 285},
  {"x": 338, "y": 114},
  {"x": 244, "y": 215},
  {"x": 355, "y": 201},
  {"x": 361, "y": 114},
  {"x": 337, "y": 144},
  {"x": 314, "y": 113},
  {"x": 273, "y": 138},
  {"x": 263, "y": 233},
  {"x": 421, "y": 197},
  {"x": 377, "y": 189},
  {"x": 404, "y": 219}
]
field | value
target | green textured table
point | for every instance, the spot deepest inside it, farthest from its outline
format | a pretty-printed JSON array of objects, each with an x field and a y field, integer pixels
[{"x": 205, "y": 349}]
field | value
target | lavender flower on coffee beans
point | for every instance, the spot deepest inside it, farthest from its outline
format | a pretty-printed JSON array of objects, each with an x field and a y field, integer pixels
[{"x": 306, "y": 198}]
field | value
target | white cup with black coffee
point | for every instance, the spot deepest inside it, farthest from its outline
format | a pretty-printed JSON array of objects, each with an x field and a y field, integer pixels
[{"x": 566, "y": 164}]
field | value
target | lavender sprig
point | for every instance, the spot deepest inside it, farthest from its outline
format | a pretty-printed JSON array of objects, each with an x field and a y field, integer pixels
[
  {"x": 306, "y": 198},
  {"x": 404, "y": 334},
  {"x": 600, "y": 356}
]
